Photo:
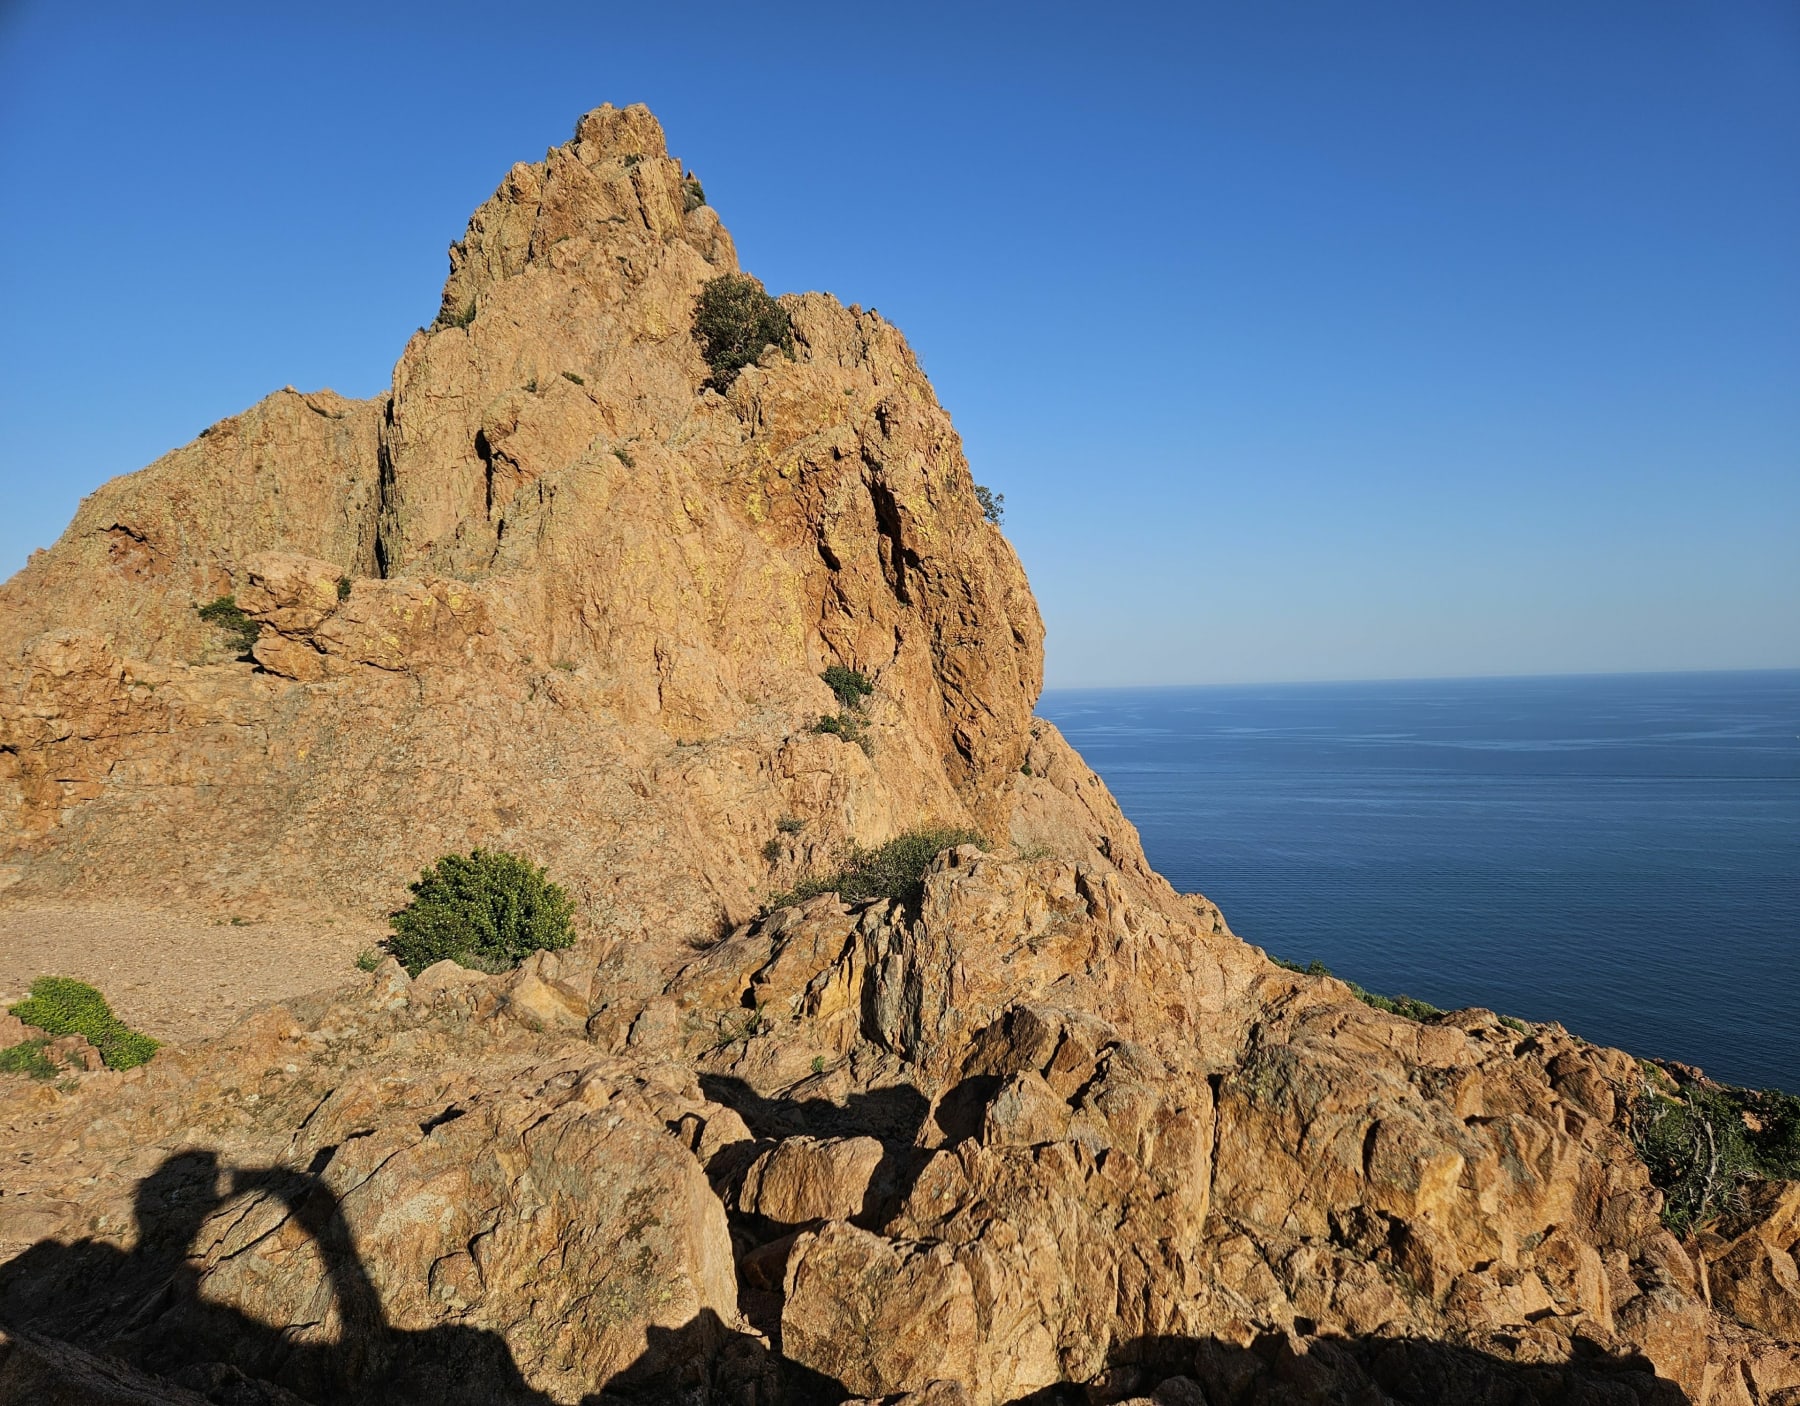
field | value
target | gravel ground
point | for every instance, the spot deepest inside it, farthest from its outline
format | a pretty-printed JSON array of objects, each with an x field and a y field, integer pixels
[{"x": 176, "y": 977}]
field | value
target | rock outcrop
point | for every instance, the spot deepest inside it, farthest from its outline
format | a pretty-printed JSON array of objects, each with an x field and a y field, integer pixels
[
  {"x": 1029, "y": 1133},
  {"x": 1048, "y": 1131},
  {"x": 547, "y": 593}
]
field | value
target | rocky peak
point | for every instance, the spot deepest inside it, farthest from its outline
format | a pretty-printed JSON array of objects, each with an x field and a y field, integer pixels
[
  {"x": 552, "y": 592},
  {"x": 603, "y": 203}
]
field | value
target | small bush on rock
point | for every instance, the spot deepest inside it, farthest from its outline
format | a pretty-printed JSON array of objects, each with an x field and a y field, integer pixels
[
  {"x": 225, "y": 615},
  {"x": 850, "y": 685},
  {"x": 734, "y": 321},
  {"x": 993, "y": 505},
  {"x": 849, "y": 726},
  {"x": 895, "y": 870},
  {"x": 1704, "y": 1141},
  {"x": 1402, "y": 1005},
  {"x": 60, "y": 1005},
  {"x": 488, "y": 910}
]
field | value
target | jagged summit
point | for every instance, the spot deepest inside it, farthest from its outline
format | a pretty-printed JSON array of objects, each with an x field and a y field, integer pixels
[{"x": 550, "y": 592}]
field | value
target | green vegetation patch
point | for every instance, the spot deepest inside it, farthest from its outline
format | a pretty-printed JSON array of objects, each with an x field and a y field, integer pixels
[
  {"x": 28, "y": 1057},
  {"x": 735, "y": 321},
  {"x": 226, "y": 616},
  {"x": 60, "y": 1005},
  {"x": 1705, "y": 1142},
  {"x": 488, "y": 910},
  {"x": 895, "y": 870},
  {"x": 851, "y": 686},
  {"x": 693, "y": 194},
  {"x": 993, "y": 505},
  {"x": 849, "y": 726},
  {"x": 1402, "y": 1005}
]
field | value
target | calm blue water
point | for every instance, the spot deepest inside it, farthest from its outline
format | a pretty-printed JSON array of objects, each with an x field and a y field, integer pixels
[{"x": 1619, "y": 853}]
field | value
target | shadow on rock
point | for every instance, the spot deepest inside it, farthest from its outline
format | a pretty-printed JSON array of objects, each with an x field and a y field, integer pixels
[
  {"x": 87, "y": 1322},
  {"x": 76, "y": 1311},
  {"x": 893, "y": 1115},
  {"x": 144, "y": 1307},
  {"x": 1368, "y": 1371}
]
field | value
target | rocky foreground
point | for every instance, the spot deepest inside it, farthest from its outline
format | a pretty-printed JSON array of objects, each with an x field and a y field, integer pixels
[
  {"x": 1034, "y": 1133},
  {"x": 1048, "y": 1131}
]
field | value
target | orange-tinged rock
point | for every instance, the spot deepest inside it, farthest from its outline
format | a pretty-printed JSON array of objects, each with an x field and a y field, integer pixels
[{"x": 880, "y": 1318}]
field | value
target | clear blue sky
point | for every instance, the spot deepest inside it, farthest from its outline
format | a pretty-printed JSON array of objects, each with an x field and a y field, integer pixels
[{"x": 1305, "y": 340}]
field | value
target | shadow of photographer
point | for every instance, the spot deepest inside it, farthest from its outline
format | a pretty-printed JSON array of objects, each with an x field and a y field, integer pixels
[{"x": 146, "y": 1307}]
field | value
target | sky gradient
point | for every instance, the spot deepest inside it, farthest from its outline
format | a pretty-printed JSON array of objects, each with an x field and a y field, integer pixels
[{"x": 1305, "y": 341}]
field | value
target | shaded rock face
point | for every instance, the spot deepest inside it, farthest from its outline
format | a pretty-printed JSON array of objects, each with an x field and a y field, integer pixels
[
  {"x": 1029, "y": 1136},
  {"x": 548, "y": 594},
  {"x": 1046, "y": 1132}
]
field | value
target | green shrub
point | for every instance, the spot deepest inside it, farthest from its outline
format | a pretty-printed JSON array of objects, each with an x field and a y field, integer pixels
[
  {"x": 488, "y": 910},
  {"x": 60, "y": 1005},
  {"x": 461, "y": 318},
  {"x": 850, "y": 685},
  {"x": 572, "y": 377},
  {"x": 1401, "y": 1005},
  {"x": 368, "y": 959},
  {"x": 848, "y": 726},
  {"x": 1703, "y": 1142},
  {"x": 790, "y": 825},
  {"x": 28, "y": 1057},
  {"x": 892, "y": 871},
  {"x": 734, "y": 321},
  {"x": 344, "y": 584},
  {"x": 1512, "y": 1022},
  {"x": 225, "y": 616},
  {"x": 693, "y": 194},
  {"x": 993, "y": 505}
]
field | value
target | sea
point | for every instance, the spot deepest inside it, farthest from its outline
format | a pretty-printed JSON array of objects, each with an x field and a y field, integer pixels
[{"x": 1620, "y": 853}]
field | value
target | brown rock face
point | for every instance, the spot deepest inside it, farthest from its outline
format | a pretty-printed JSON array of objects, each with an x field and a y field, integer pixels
[
  {"x": 1047, "y": 1131},
  {"x": 587, "y": 603}
]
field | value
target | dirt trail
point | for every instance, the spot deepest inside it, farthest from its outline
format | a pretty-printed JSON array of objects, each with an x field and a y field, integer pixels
[{"x": 174, "y": 976}]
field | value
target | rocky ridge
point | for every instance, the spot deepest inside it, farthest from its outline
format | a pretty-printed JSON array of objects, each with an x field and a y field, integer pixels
[{"x": 1049, "y": 1131}]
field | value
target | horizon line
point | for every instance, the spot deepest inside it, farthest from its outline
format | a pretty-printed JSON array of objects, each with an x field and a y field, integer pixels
[{"x": 1426, "y": 678}]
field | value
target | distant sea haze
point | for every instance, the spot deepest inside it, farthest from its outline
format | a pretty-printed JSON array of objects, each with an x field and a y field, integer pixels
[{"x": 1620, "y": 853}]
